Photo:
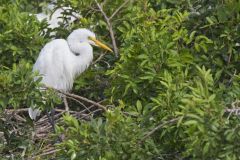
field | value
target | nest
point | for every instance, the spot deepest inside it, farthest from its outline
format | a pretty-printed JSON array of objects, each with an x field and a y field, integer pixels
[{"x": 42, "y": 129}]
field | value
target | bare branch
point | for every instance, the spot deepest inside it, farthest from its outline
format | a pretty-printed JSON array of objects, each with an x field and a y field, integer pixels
[
  {"x": 118, "y": 9},
  {"x": 103, "y": 13},
  {"x": 79, "y": 103},
  {"x": 99, "y": 58},
  {"x": 162, "y": 124},
  {"x": 19, "y": 118},
  {"x": 109, "y": 27},
  {"x": 83, "y": 99},
  {"x": 48, "y": 152},
  {"x": 16, "y": 110},
  {"x": 87, "y": 115},
  {"x": 65, "y": 103},
  {"x": 235, "y": 109}
]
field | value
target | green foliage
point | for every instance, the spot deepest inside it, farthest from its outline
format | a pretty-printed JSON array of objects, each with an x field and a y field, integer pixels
[
  {"x": 18, "y": 88},
  {"x": 20, "y": 35},
  {"x": 21, "y": 38},
  {"x": 143, "y": 67},
  {"x": 175, "y": 80},
  {"x": 108, "y": 138},
  {"x": 207, "y": 128},
  {"x": 157, "y": 66}
]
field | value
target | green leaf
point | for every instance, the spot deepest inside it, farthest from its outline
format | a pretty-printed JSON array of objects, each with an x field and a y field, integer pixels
[
  {"x": 73, "y": 156},
  {"x": 139, "y": 106}
]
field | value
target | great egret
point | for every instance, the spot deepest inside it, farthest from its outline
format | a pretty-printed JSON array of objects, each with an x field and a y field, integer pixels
[
  {"x": 60, "y": 61},
  {"x": 55, "y": 17}
]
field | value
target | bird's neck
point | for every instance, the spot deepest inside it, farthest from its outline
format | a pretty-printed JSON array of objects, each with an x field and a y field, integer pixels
[
  {"x": 76, "y": 47},
  {"x": 82, "y": 55}
]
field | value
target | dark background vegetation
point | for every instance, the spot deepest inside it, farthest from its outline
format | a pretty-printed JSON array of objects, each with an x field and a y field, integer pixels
[{"x": 173, "y": 88}]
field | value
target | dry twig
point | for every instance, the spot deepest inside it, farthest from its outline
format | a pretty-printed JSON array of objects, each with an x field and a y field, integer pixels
[
  {"x": 8, "y": 111},
  {"x": 74, "y": 99},
  {"x": 110, "y": 28},
  {"x": 159, "y": 126},
  {"x": 83, "y": 99},
  {"x": 65, "y": 103},
  {"x": 118, "y": 9},
  {"x": 99, "y": 58},
  {"x": 235, "y": 109},
  {"x": 45, "y": 153}
]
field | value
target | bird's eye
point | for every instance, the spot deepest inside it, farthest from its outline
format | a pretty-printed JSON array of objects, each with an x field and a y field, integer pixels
[{"x": 90, "y": 38}]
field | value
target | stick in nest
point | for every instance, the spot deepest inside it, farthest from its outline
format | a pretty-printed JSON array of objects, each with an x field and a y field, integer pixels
[{"x": 83, "y": 99}]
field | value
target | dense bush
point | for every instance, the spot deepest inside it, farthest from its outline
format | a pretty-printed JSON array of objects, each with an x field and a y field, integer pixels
[
  {"x": 20, "y": 35},
  {"x": 171, "y": 88}
]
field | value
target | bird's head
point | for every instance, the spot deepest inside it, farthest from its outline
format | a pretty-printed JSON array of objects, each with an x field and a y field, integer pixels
[{"x": 85, "y": 35}]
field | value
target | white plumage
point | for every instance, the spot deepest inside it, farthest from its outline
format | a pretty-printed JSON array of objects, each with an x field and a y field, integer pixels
[
  {"x": 54, "y": 17},
  {"x": 61, "y": 61}
]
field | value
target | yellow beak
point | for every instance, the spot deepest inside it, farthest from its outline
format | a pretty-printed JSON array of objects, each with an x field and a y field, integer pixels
[{"x": 100, "y": 44}]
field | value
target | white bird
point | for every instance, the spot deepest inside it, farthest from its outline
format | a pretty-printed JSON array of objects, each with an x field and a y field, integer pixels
[
  {"x": 61, "y": 61},
  {"x": 54, "y": 17}
]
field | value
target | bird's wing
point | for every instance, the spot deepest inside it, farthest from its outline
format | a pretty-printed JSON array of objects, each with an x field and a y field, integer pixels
[
  {"x": 51, "y": 64},
  {"x": 34, "y": 113}
]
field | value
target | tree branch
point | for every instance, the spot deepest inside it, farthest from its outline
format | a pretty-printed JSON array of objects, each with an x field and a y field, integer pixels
[
  {"x": 159, "y": 126},
  {"x": 235, "y": 109},
  {"x": 99, "y": 58},
  {"x": 45, "y": 153},
  {"x": 118, "y": 9},
  {"x": 109, "y": 24},
  {"x": 65, "y": 103},
  {"x": 83, "y": 99},
  {"x": 74, "y": 99}
]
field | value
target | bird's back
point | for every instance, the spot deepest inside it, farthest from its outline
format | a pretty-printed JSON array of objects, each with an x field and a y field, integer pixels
[{"x": 51, "y": 65}]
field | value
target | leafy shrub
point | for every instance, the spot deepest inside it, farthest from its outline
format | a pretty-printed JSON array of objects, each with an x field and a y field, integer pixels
[
  {"x": 171, "y": 88},
  {"x": 114, "y": 137},
  {"x": 20, "y": 35}
]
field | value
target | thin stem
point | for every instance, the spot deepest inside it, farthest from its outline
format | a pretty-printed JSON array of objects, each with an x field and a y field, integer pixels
[
  {"x": 109, "y": 24},
  {"x": 118, "y": 9},
  {"x": 159, "y": 126}
]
